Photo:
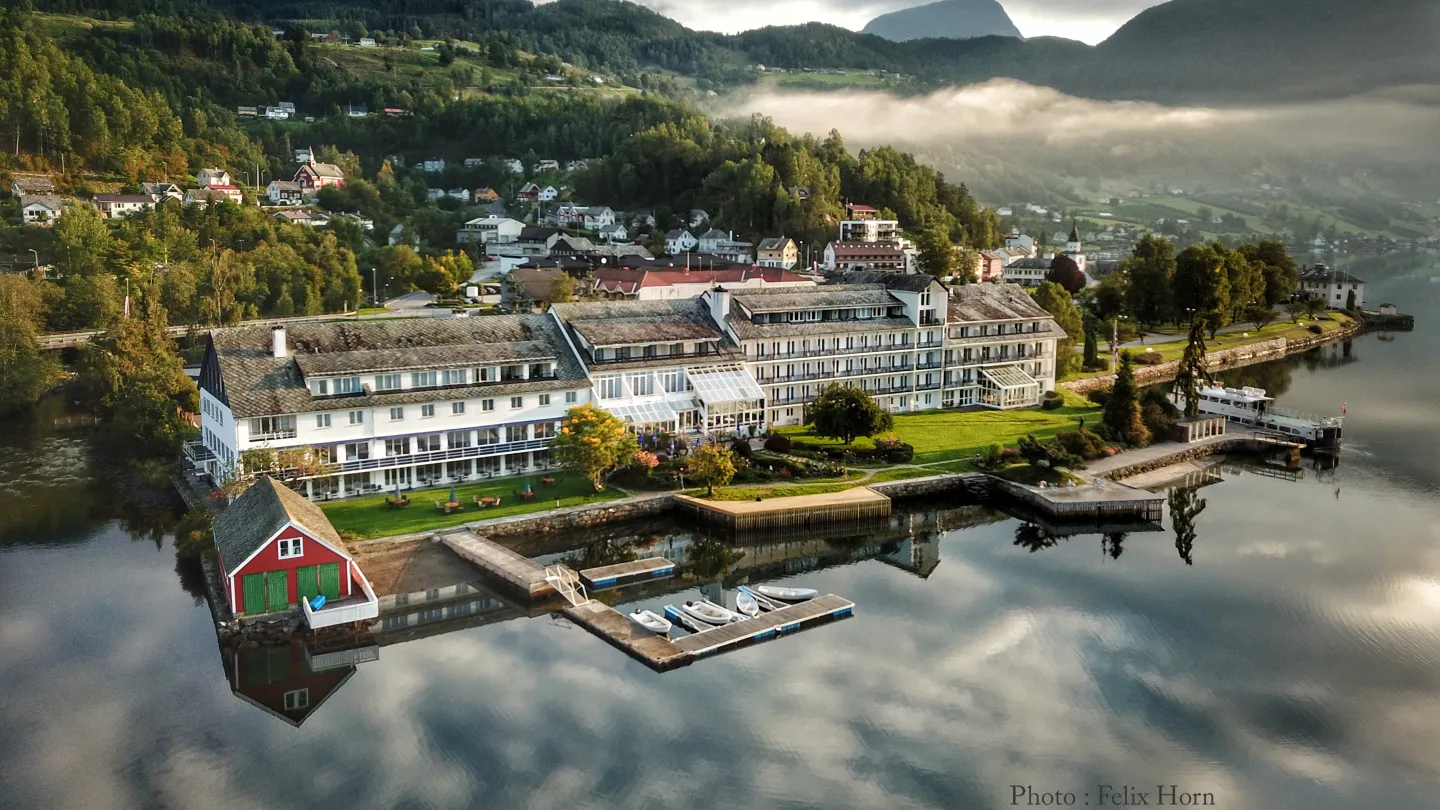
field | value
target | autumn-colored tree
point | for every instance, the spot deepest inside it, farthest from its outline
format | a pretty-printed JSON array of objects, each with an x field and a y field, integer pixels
[
  {"x": 712, "y": 464},
  {"x": 594, "y": 442}
]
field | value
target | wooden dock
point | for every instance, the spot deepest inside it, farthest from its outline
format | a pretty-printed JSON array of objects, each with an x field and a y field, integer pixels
[
  {"x": 858, "y": 503},
  {"x": 509, "y": 567},
  {"x": 660, "y": 653},
  {"x": 613, "y": 576}
]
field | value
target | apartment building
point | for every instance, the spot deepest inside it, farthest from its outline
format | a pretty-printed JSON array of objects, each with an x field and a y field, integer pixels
[
  {"x": 386, "y": 404},
  {"x": 664, "y": 365},
  {"x": 999, "y": 348},
  {"x": 879, "y": 332}
]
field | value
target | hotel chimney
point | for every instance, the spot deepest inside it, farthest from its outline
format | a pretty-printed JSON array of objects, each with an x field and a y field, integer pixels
[{"x": 277, "y": 340}]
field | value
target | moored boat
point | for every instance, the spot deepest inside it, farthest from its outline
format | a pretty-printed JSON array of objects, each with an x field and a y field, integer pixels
[
  {"x": 652, "y": 621},
  {"x": 786, "y": 594},
  {"x": 1252, "y": 408},
  {"x": 676, "y": 615},
  {"x": 708, "y": 612},
  {"x": 745, "y": 603},
  {"x": 764, "y": 602}
]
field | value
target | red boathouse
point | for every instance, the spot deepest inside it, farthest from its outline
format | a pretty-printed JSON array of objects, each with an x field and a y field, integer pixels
[{"x": 278, "y": 550}]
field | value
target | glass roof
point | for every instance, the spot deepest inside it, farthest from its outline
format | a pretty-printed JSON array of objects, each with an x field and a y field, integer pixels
[
  {"x": 1009, "y": 378},
  {"x": 649, "y": 413},
  {"x": 727, "y": 383}
]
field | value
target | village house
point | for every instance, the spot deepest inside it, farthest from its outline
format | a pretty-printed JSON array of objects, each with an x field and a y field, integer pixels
[
  {"x": 390, "y": 404},
  {"x": 461, "y": 194},
  {"x": 847, "y": 256},
  {"x": 723, "y": 245},
  {"x": 298, "y": 216},
  {"x": 160, "y": 192},
  {"x": 205, "y": 178},
  {"x": 276, "y": 114},
  {"x": 490, "y": 231},
  {"x": 1021, "y": 242},
  {"x": 432, "y": 165},
  {"x": 41, "y": 209},
  {"x": 396, "y": 112},
  {"x": 474, "y": 162},
  {"x": 120, "y": 205},
  {"x": 1028, "y": 272},
  {"x": 514, "y": 166},
  {"x": 204, "y": 196},
  {"x": 31, "y": 184},
  {"x": 869, "y": 228},
  {"x": 529, "y": 289},
  {"x": 367, "y": 42},
  {"x": 304, "y": 155},
  {"x": 247, "y": 112},
  {"x": 698, "y": 217},
  {"x": 547, "y": 166},
  {"x": 486, "y": 194},
  {"x": 284, "y": 192},
  {"x": 314, "y": 176},
  {"x": 1332, "y": 286},
  {"x": 992, "y": 266},
  {"x": 778, "y": 252},
  {"x": 433, "y": 194},
  {"x": 597, "y": 217},
  {"x": 366, "y": 224},
  {"x": 680, "y": 241},
  {"x": 614, "y": 232},
  {"x": 276, "y": 550},
  {"x": 356, "y": 110}
]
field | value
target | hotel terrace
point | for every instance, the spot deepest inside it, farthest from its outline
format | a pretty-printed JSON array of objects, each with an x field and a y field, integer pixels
[{"x": 430, "y": 402}]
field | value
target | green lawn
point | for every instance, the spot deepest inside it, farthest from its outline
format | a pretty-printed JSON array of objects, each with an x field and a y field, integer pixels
[
  {"x": 370, "y": 517},
  {"x": 952, "y": 435},
  {"x": 773, "y": 491},
  {"x": 373, "y": 310}
]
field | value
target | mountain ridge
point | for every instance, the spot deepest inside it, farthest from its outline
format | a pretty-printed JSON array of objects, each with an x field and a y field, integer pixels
[{"x": 948, "y": 19}]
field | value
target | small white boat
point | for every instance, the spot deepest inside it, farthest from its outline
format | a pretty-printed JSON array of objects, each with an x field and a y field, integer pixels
[
  {"x": 674, "y": 614},
  {"x": 651, "y": 621},
  {"x": 765, "y": 603},
  {"x": 747, "y": 604},
  {"x": 708, "y": 612},
  {"x": 786, "y": 594}
]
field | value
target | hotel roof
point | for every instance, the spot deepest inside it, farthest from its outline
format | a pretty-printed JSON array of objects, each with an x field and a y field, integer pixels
[{"x": 993, "y": 302}]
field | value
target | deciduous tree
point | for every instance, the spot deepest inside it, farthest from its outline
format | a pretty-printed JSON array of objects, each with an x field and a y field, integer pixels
[
  {"x": 846, "y": 413},
  {"x": 1055, "y": 300},
  {"x": 712, "y": 464},
  {"x": 1150, "y": 269},
  {"x": 1065, "y": 272},
  {"x": 594, "y": 442}
]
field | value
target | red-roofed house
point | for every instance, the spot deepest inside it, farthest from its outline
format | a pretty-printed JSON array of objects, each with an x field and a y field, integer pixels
[
  {"x": 314, "y": 176},
  {"x": 647, "y": 284},
  {"x": 847, "y": 256}
]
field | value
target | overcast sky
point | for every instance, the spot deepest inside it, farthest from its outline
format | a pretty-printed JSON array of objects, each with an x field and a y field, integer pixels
[{"x": 1085, "y": 20}]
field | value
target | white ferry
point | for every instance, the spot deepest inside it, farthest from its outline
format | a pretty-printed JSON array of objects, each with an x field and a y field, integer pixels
[{"x": 1253, "y": 409}]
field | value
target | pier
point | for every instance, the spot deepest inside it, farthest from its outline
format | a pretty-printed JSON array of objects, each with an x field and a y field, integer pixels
[
  {"x": 858, "y": 503},
  {"x": 1100, "y": 501},
  {"x": 613, "y": 576},
  {"x": 660, "y": 653},
  {"x": 511, "y": 568}
]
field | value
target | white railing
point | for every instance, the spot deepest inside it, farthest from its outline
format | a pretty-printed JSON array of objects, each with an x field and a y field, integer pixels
[
  {"x": 343, "y": 613},
  {"x": 567, "y": 583},
  {"x": 344, "y": 658}
]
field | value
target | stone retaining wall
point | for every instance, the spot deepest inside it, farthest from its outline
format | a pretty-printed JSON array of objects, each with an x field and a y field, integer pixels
[
  {"x": 1178, "y": 457},
  {"x": 976, "y": 484},
  {"x": 1237, "y": 357}
]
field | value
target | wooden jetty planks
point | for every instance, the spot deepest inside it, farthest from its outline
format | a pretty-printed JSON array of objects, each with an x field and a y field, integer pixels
[
  {"x": 609, "y": 576},
  {"x": 856, "y": 503},
  {"x": 512, "y": 567},
  {"x": 609, "y": 624}
]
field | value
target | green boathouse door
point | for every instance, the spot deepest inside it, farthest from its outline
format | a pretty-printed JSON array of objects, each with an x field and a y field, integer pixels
[
  {"x": 253, "y": 592},
  {"x": 277, "y": 589},
  {"x": 330, "y": 580},
  {"x": 306, "y": 583}
]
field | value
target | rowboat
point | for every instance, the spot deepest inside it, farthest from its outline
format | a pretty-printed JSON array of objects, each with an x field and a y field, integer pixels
[
  {"x": 745, "y": 603},
  {"x": 674, "y": 614},
  {"x": 709, "y": 612},
  {"x": 651, "y": 621},
  {"x": 787, "y": 594},
  {"x": 765, "y": 603}
]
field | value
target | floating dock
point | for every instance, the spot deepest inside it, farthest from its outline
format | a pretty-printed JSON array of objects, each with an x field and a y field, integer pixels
[
  {"x": 509, "y": 567},
  {"x": 613, "y": 576},
  {"x": 858, "y": 503},
  {"x": 661, "y": 654}
]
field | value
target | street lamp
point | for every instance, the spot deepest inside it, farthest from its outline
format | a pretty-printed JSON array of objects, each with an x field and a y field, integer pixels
[
  {"x": 36, "y": 254},
  {"x": 374, "y": 288}
]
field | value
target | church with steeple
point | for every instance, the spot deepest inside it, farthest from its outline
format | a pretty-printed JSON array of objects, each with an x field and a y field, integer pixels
[{"x": 1073, "y": 248}]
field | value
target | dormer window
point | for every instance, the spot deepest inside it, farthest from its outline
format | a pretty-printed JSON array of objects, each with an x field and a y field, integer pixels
[
  {"x": 622, "y": 353},
  {"x": 424, "y": 379},
  {"x": 320, "y": 388}
]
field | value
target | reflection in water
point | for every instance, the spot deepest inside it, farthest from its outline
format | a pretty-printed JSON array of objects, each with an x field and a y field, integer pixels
[
  {"x": 1033, "y": 538},
  {"x": 1185, "y": 506},
  {"x": 1113, "y": 544}
]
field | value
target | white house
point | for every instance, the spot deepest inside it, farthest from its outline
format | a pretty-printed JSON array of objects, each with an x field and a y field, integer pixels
[
  {"x": 163, "y": 191},
  {"x": 680, "y": 241},
  {"x": 367, "y": 42},
  {"x": 389, "y": 404},
  {"x": 1021, "y": 242},
  {"x": 284, "y": 192},
  {"x": 474, "y": 162},
  {"x": 434, "y": 194},
  {"x": 434, "y": 164},
  {"x": 1332, "y": 286},
  {"x": 615, "y": 232},
  {"x": 547, "y": 166},
  {"x": 113, "y": 206},
  {"x": 723, "y": 245},
  {"x": 357, "y": 110},
  {"x": 206, "y": 178},
  {"x": 490, "y": 231},
  {"x": 515, "y": 166},
  {"x": 461, "y": 194},
  {"x": 597, "y": 217},
  {"x": 549, "y": 194},
  {"x": 276, "y": 114},
  {"x": 41, "y": 209}
]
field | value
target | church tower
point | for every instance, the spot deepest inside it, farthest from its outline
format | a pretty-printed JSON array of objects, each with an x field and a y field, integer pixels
[{"x": 1073, "y": 248}]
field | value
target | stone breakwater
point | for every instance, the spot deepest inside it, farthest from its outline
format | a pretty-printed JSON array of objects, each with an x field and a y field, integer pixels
[{"x": 1247, "y": 355}]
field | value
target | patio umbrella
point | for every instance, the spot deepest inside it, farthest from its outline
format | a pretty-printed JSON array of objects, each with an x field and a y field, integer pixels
[
  {"x": 452, "y": 495},
  {"x": 398, "y": 496},
  {"x": 527, "y": 486}
]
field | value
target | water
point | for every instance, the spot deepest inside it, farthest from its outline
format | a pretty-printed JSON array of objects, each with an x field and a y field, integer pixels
[{"x": 1292, "y": 665}]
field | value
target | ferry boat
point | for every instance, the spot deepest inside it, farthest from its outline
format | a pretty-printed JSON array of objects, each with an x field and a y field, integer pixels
[{"x": 1253, "y": 409}]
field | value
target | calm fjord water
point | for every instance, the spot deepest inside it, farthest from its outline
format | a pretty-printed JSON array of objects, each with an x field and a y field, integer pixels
[{"x": 1294, "y": 664}]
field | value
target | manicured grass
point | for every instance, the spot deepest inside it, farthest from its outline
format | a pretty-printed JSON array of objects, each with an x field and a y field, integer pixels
[
  {"x": 370, "y": 517},
  {"x": 951, "y": 435},
  {"x": 372, "y": 311},
  {"x": 774, "y": 491},
  {"x": 902, "y": 474}
]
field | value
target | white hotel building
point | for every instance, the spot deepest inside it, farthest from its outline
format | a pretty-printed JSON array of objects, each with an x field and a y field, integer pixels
[{"x": 431, "y": 402}]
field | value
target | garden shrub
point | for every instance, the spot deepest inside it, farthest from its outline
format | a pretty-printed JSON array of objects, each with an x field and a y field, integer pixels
[
  {"x": 1085, "y": 444},
  {"x": 779, "y": 443},
  {"x": 1148, "y": 358},
  {"x": 1315, "y": 328},
  {"x": 742, "y": 448},
  {"x": 1099, "y": 396}
]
